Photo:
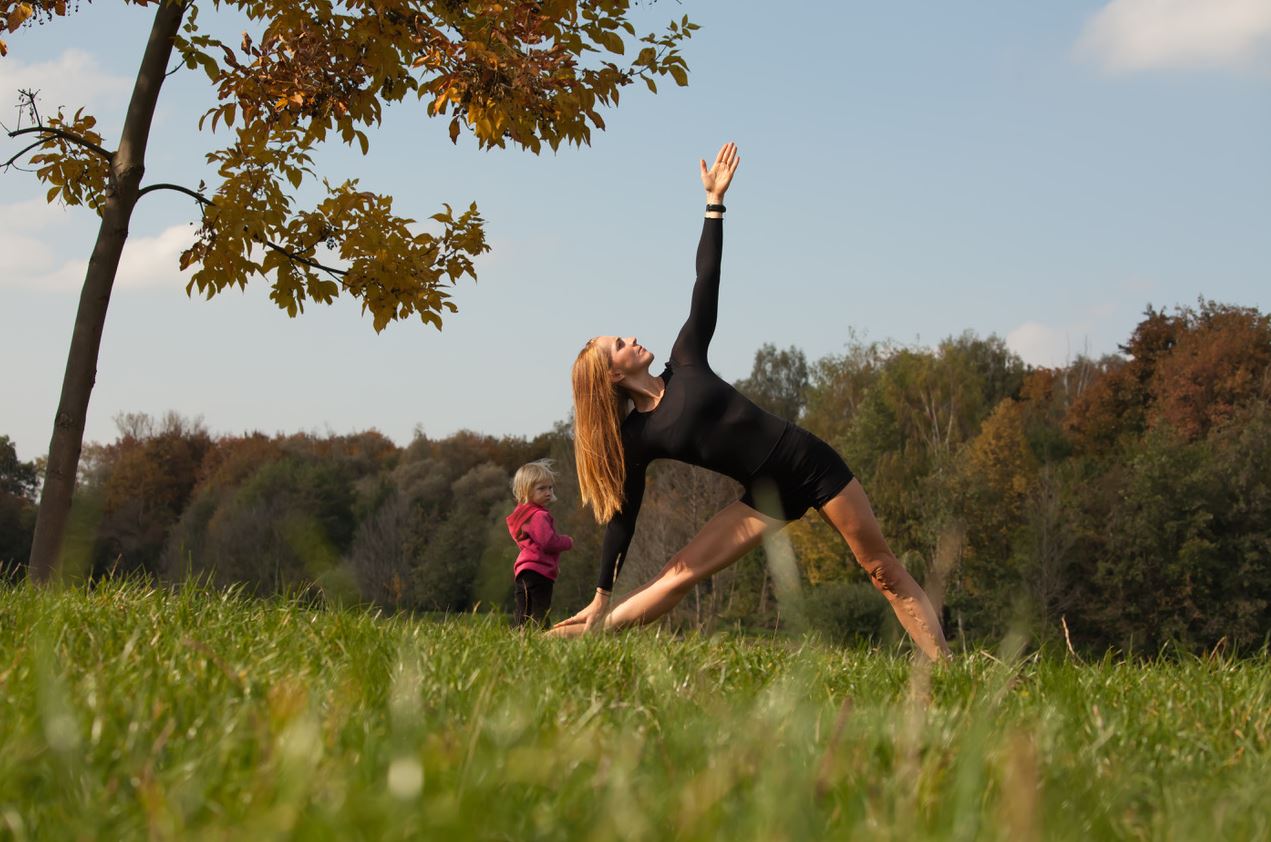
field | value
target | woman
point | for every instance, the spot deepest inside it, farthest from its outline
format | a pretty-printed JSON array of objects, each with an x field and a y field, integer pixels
[{"x": 690, "y": 414}]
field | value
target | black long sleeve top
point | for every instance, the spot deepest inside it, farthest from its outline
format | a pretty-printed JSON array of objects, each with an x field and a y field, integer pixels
[{"x": 701, "y": 419}]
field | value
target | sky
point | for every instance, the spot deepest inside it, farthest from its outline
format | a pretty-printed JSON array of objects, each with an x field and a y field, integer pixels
[{"x": 910, "y": 171}]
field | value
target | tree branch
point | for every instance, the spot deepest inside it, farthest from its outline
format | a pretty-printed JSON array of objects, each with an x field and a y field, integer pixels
[
  {"x": 65, "y": 135},
  {"x": 27, "y": 149},
  {"x": 177, "y": 187},
  {"x": 338, "y": 273},
  {"x": 29, "y": 97},
  {"x": 206, "y": 202}
]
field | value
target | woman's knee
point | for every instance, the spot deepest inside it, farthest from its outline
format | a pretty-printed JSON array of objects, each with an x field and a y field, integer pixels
[
  {"x": 885, "y": 573},
  {"x": 678, "y": 576}
]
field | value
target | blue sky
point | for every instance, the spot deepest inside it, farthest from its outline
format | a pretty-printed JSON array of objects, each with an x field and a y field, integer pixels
[{"x": 909, "y": 171}]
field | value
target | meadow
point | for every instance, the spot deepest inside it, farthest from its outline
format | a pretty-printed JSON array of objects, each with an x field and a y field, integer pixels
[{"x": 130, "y": 712}]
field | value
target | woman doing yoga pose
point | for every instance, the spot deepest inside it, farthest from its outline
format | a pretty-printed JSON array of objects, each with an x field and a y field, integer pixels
[{"x": 689, "y": 413}]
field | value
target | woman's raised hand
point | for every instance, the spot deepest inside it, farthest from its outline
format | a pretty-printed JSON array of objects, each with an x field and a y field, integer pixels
[{"x": 720, "y": 175}]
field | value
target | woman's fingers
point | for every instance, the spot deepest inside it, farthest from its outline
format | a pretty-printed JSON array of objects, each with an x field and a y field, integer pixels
[{"x": 727, "y": 158}]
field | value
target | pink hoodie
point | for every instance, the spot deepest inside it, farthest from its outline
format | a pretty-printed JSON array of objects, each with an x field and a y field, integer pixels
[{"x": 534, "y": 531}]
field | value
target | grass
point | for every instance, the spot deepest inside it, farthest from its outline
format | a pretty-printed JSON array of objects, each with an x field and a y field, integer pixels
[{"x": 128, "y": 712}]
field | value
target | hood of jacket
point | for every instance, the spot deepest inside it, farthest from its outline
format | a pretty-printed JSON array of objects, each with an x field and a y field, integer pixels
[{"x": 522, "y": 513}]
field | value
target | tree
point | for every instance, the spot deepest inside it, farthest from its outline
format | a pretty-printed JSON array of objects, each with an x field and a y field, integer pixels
[
  {"x": 839, "y": 384},
  {"x": 146, "y": 479},
  {"x": 17, "y": 478},
  {"x": 778, "y": 381},
  {"x": 18, "y": 481},
  {"x": 1114, "y": 406},
  {"x": 992, "y": 489},
  {"x": 446, "y": 576},
  {"x": 287, "y": 524},
  {"x": 1221, "y": 363},
  {"x": 908, "y": 410},
  {"x": 510, "y": 72}
]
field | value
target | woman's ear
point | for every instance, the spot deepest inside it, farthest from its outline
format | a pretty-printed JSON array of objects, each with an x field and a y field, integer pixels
[{"x": 615, "y": 377}]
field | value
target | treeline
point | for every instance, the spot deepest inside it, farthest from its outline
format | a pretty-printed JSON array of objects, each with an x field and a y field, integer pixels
[{"x": 1122, "y": 502}]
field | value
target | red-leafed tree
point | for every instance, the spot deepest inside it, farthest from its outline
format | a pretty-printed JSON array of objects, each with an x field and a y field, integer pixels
[
  {"x": 1191, "y": 371},
  {"x": 1220, "y": 363}
]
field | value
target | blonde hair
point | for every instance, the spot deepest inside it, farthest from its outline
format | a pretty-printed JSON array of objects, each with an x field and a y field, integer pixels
[
  {"x": 529, "y": 475},
  {"x": 598, "y": 411}
]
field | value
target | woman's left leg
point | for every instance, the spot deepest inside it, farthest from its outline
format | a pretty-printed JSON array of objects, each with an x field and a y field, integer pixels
[
  {"x": 734, "y": 531},
  {"x": 850, "y": 513}
]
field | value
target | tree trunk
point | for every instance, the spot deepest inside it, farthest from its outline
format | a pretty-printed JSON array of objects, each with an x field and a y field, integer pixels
[{"x": 126, "y": 168}]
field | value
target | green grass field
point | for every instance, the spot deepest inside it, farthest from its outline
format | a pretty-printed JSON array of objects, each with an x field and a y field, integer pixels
[{"x": 128, "y": 712}]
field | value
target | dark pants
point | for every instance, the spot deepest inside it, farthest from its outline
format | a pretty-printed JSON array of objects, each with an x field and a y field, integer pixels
[{"x": 533, "y": 597}]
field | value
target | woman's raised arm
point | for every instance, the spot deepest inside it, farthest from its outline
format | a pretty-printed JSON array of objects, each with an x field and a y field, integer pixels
[{"x": 695, "y": 336}]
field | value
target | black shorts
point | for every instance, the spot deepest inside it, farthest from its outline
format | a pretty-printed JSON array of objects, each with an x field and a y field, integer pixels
[{"x": 801, "y": 473}]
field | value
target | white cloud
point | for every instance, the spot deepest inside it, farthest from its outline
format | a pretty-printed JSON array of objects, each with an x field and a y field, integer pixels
[
  {"x": 73, "y": 79},
  {"x": 34, "y": 237},
  {"x": 152, "y": 261},
  {"x": 1041, "y": 345},
  {"x": 31, "y": 214},
  {"x": 1131, "y": 35},
  {"x": 25, "y": 242}
]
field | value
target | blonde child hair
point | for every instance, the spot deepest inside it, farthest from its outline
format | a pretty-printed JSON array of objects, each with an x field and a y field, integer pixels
[{"x": 530, "y": 475}]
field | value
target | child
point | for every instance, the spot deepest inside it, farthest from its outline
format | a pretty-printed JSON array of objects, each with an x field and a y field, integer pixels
[{"x": 534, "y": 532}]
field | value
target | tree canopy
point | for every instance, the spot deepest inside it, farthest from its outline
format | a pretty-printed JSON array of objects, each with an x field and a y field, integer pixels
[{"x": 520, "y": 73}]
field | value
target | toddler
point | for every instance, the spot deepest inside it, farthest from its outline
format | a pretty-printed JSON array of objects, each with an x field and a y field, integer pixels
[{"x": 534, "y": 532}]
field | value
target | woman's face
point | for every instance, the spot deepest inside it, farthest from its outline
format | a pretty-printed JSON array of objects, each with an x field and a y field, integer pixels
[{"x": 626, "y": 356}]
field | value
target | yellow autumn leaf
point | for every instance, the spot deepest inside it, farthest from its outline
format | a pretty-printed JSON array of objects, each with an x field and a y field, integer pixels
[
  {"x": 611, "y": 41},
  {"x": 19, "y": 16}
]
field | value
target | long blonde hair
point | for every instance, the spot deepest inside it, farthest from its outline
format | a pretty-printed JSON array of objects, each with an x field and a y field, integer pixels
[{"x": 598, "y": 411}]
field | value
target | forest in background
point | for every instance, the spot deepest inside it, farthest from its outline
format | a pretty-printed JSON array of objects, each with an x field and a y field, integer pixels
[{"x": 1124, "y": 501}]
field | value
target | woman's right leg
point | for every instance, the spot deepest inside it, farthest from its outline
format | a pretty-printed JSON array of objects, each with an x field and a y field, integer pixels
[{"x": 734, "y": 531}]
